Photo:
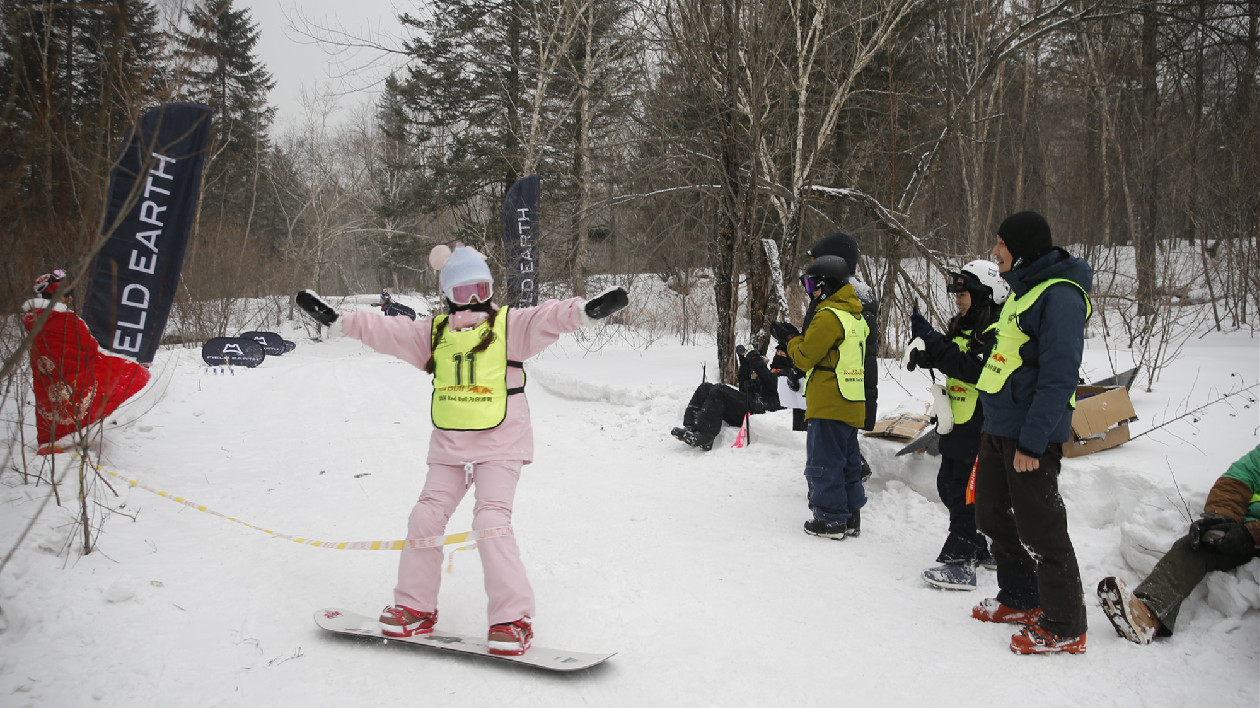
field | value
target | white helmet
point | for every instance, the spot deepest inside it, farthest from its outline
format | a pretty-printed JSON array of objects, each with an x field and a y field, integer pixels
[{"x": 982, "y": 277}]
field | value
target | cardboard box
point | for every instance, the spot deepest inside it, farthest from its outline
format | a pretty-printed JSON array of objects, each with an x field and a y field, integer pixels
[
  {"x": 1101, "y": 419},
  {"x": 901, "y": 427}
]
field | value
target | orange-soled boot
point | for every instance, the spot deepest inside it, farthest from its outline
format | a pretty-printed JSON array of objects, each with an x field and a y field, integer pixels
[
  {"x": 1035, "y": 640},
  {"x": 990, "y": 610}
]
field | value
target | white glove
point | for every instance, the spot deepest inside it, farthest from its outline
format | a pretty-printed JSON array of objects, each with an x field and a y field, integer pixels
[
  {"x": 940, "y": 406},
  {"x": 916, "y": 344}
]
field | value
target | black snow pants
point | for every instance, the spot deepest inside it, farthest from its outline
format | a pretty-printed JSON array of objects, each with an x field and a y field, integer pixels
[
  {"x": 711, "y": 405},
  {"x": 1023, "y": 514},
  {"x": 965, "y": 543}
]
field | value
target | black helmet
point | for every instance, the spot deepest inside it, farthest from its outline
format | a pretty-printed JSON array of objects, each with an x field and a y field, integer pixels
[
  {"x": 828, "y": 273},
  {"x": 837, "y": 244}
]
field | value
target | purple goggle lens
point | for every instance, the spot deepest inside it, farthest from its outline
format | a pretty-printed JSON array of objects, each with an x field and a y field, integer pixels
[
  {"x": 464, "y": 294},
  {"x": 810, "y": 283}
]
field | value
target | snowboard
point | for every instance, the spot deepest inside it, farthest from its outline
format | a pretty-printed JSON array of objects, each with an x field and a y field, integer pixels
[
  {"x": 929, "y": 442},
  {"x": 351, "y": 623}
]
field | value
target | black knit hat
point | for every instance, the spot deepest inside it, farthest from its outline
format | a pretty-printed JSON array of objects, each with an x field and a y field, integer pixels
[
  {"x": 1027, "y": 237},
  {"x": 837, "y": 244}
]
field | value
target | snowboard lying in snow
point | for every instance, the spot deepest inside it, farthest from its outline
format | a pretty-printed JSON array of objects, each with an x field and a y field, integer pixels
[{"x": 355, "y": 624}]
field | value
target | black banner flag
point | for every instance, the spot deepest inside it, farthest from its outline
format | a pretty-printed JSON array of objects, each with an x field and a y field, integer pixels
[
  {"x": 520, "y": 241},
  {"x": 272, "y": 343},
  {"x": 233, "y": 351},
  {"x": 153, "y": 192}
]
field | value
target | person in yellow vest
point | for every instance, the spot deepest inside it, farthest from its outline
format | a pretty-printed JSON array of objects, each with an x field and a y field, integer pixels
[
  {"x": 1224, "y": 537},
  {"x": 979, "y": 292},
  {"x": 832, "y": 352},
  {"x": 482, "y": 435},
  {"x": 1028, "y": 389}
]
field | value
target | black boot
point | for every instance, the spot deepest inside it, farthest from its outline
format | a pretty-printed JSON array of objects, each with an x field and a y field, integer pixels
[
  {"x": 695, "y": 438},
  {"x": 827, "y": 529},
  {"x": 854, "y": 527}
]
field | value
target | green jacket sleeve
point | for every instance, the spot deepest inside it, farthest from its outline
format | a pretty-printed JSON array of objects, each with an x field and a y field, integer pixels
[{"x": 1237, "y": 493}]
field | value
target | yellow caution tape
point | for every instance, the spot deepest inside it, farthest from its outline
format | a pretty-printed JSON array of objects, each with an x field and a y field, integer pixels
[{"x": 428, "y": 542}]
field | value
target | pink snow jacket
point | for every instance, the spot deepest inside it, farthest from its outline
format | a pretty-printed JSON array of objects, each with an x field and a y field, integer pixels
[{"x": 529, "y": 331}]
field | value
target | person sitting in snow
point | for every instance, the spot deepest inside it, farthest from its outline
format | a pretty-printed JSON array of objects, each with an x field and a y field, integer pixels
[
  {"x": 482, "y": 435},
  {"x": 1226, "y": 536},
  {"x": 832, "y": 353},
  {"x": 960, "y": 353},
  {"x": 76, "y": 383},
  {"x": 713, "y": 403}
]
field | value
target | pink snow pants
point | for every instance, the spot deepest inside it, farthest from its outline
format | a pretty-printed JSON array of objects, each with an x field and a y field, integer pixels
[{"x": 420, "y": 569}]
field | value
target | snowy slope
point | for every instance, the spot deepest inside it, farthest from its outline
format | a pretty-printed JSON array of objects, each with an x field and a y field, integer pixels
[{"x": 691, "y": 565}]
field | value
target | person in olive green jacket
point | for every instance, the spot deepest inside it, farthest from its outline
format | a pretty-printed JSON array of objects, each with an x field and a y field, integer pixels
[
  {"x": 1225, "y": 537},
  {"x": 832, "y": 352}
]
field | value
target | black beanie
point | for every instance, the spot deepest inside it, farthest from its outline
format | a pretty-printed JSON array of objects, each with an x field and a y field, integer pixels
[
  {"x": 1027, "y": 237},
  {"x": 837, "y": 244}
]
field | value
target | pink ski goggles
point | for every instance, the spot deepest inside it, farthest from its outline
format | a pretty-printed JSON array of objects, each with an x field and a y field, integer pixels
[
  {"x": 811, "y": 283},
  {"x": 464, "y": 294}
]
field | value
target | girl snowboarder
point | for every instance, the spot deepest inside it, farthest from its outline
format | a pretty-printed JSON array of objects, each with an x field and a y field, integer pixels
[
  {"x": 960, "y": 354},
  {"x": 481, "y": 429}
]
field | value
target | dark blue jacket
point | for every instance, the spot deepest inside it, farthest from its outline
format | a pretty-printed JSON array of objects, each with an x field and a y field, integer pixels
[{"x": 1033, "y": 407}]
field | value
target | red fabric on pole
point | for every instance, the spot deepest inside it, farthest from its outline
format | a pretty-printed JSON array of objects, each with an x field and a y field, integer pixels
[
  {"x": 742, "y": 438},
  {"x": 76, "y": 383}
]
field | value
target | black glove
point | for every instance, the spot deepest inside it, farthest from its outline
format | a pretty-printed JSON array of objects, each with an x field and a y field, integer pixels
[
  {"x": 316, "y": 308},
  {"x": 1235, "y": 541},
  {"x": 783, "y": 331},
  {"x": 920, "y": 327},
  {"x": 606, "y": 303},
  {"x": 1200, "y": 528},
  {"x": 1221, "y": 534},
  {"x": 918, "y": 360}
]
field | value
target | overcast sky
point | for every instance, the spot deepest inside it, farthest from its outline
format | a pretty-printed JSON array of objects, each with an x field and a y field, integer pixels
[{"x": 298, "y": 64}]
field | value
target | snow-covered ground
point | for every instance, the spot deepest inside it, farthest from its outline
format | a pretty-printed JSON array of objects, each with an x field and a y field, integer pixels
[{"x": 692, "y": 566}]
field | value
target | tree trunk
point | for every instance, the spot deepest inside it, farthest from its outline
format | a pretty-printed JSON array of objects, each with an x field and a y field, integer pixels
[{"x": 1144, "y": 248}]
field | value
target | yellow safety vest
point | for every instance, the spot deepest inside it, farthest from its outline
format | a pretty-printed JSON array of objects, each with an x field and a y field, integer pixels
[
  {"x": 851, "y": 366},
  {"x": 470, "y": 390},
  {"x": 962, "y": 395},
  {"x": 1005, "y": 358}
]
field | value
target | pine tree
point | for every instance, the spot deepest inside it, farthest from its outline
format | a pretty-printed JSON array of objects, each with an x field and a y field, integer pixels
[
  {"x": 75, "y": 76},
  {"x": 222, "y": 72},
  {"x": 501, "y": 89},
  {"x": 464, "y": 92}
]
